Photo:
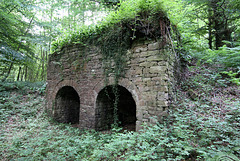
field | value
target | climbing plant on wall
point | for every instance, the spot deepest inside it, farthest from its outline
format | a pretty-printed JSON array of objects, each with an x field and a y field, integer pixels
[
  {"x": 114, "y": 35},
  {"x": 133, "y": 20}
]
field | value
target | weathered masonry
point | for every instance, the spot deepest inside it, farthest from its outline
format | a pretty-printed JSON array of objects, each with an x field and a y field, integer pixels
[
  {"x": 77, "y": 92},
  {"x": 119, "y": 73}
]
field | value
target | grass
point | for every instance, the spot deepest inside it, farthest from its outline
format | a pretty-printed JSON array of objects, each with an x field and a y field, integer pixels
[{"x": 205, "y": 126}]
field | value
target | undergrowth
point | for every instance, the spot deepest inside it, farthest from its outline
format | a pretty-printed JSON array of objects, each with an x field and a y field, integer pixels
[
  {"x": 137, "y": 14},
  {"x": 205, "y": 127}
]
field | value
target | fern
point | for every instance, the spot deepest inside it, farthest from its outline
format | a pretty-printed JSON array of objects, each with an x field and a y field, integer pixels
[{"x": 221, "y": 156}]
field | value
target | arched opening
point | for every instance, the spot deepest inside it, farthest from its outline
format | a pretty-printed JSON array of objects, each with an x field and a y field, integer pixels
[
  {"x": 67, "y": 105},
  {"x": 126, "y": 108}
]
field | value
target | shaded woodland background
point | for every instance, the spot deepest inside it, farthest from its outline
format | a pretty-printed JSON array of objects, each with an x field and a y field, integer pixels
[
  {"x": 203, "y": 123},
  {"x": 209, "y": 31}
]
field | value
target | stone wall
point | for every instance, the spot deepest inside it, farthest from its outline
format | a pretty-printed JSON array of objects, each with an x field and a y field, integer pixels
[{"x": 148, "y": 79}]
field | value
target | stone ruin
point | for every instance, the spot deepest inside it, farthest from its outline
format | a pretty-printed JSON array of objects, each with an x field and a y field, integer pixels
[{"x": 77, "y": 92}]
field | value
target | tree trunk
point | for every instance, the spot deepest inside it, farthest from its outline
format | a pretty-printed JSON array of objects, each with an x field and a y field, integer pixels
[
  {"x": 26, "y": 73},
  {"x": 19, "y": 72},
  {"x": 36, "y": 76},
  {"x": 210, "y": 28},
  {"x": 8, "y": 73},
  {"x": 30, "y": 74},
  {"x": 22, "y": 75},
  {"x": 220, "y": 23},
  {"x": 19, "y": 45},
  {"x": 210, "y": 38},
  {"x": 43, "y": 62}
]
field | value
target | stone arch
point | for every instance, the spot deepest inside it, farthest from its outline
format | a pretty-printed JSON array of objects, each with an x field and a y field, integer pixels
[
  {"x": 129, "y": 85},
  {"x": 104, "y": 109},
  {"x": 67, "y": 105},
  {"x": 63, "y": 83}
]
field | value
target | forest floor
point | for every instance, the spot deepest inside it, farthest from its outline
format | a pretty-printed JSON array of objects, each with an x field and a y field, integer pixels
[{"x": 203, "y": 124}]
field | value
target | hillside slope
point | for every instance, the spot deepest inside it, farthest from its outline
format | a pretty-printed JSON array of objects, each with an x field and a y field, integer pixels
[{"x": 203, "y": 124}]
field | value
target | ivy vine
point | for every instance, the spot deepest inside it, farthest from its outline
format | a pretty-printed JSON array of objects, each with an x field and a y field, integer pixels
[{"x": 134, "y": 19}]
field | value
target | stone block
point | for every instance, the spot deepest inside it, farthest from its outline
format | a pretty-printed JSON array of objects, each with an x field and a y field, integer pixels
[
  {"x": 146, "y": 71},
  {"x": 157, "y": 79},
  {"x": 134, "y": 60},
  {"x": 138, "y": 81},
  {"x": 157, "y": 69},
  {"x": 162, "y": 63},
  {"x": 164, "y": 88},
  {"x": 139, "y": 71},
  {"x": 165, "y": 77},
  {"x": 138, "y": 125},
  {"x": 145, "y": 120},
  {"x": 143, "y": 108},
  {"x": 146, "y": 89},
  {"x": 164, "y": 113},
  {"x": 144, "y": 64},
  {"x": 145, "y": 112},
  {"x": 153, "y": 58},
  {"x": 155, "y": 53},
  {"x": 141, "y": 104},
  {"x": 141, "y": 60},
  {"x": 162, "y": 103},
  {"x": 164, "y": 82},
  {"x": 145, "y": 54},
  {"x": 159, "y": 109},
  {"x": 140, "y": 49},
  {"x": 147, "y": 64},
  {"x": 151, "y": 108},
  {"x": 132, "y": 72},
  {"x": 154, "y": 46},
  {"x": 139, "y": 115},
  {"x": 153, "y": 120},
  {"x": 161, "y": 95},
  {"x": 146, "y": 77}
]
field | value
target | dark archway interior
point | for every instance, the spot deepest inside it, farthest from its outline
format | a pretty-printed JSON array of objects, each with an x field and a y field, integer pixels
[
  {"x": 67, "y": 106},
  {"x": 126, "y": 108}
]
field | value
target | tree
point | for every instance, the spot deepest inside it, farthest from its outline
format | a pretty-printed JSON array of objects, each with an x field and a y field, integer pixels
[
  {"x": 27, "y": 29},
  {"x": 14, "y": 32},
  {"x": 218, "y": 19}
]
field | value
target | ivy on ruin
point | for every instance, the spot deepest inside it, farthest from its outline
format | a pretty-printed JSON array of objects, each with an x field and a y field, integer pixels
[{"x": 134, "y": 20}]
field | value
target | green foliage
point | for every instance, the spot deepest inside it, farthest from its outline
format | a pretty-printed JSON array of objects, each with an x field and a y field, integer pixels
[
  {"x": 203, "y": 125},
  {"x": 12, "y": 101},
  {"x": 27, "y": 29},
  {"x": 18, "y": 39},
  {"x": 38, "y": 87},
  {"x": 207, "y": 131},
  {"x": 224, "y": 156},
  {"x": 114, "y": 34},
  {"x": 212, "y": 119},
  {"x": 224, "y": 61},
  {"x": 233, "y": 76},
  {"x": 194, "y": 130},
  {"x": 133, "y": 19},
  {"x": 227, "y": 56},
  {"x": 126, "y": 13}
]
